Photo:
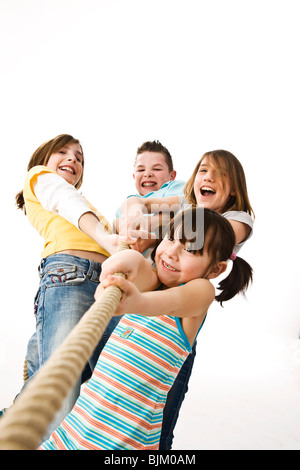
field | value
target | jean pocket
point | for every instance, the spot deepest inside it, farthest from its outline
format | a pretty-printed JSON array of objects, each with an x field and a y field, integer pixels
[{"x": 65, "y": 275}]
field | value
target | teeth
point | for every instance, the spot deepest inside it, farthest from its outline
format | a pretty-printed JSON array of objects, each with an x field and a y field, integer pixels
[
  {"x": 65, "y": 168},
  {"x": 148, "y": 184},
  {"x": 168, "y": 266},
  {"x": 205, "y": 191}
]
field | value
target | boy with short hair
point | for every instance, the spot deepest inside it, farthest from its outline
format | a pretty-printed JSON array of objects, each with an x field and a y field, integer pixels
[
  {"x": 153, "y": 167},
  {"x": 154, "y": 175}
]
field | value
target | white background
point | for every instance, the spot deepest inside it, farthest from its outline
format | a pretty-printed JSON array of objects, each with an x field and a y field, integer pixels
[{"x": 197, "y": 75}]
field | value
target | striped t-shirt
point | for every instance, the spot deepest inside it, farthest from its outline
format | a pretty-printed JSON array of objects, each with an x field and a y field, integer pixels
[{"x": 121, "y": 407}]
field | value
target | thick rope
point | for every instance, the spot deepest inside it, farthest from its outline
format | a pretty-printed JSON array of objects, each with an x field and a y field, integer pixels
[
  {"x": 23, "y": 426},
  {"x": 25, "y": 371}
]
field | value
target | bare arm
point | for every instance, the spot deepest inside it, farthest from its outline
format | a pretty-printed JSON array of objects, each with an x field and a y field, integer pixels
[
  {"x": 240, "y": 229},
  {"x": 149, "y": 205},
  {"x": 91, "y": 226},
  {"x": 189, "y": 300},
  {"x": 135, "y": 267},
  {"x": 60, "y": 197},
  {"x": 136, "y": 222}
]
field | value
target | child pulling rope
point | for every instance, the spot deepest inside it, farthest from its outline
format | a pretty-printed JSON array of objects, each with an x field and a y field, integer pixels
[{"x": 25, "y": 423}]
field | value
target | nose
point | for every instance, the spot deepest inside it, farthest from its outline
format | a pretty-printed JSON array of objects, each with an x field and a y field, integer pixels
[
  {"x": 147, "y": 173},
  {"x": 173, "y": 250},
  {"x": 72, "y": 158},
  {"x": 208, "y": 176}
]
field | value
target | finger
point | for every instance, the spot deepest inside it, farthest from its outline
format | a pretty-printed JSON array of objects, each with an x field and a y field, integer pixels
[
  {"x": 143, "y": 234},
  {"x": 115, "y": 281},
  {"x": 128, "y": 239},
  {"x": 110, "y": 280},
  {"x": 98, "y": 292}
]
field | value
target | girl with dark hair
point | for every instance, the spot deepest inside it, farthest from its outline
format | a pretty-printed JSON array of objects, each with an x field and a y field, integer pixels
[
  {"x": 218, "y": 183},
  {"x": 121, "y": 407}
]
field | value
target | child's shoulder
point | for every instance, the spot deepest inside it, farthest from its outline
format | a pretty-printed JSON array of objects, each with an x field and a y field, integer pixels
[
  {"x": 37, "y": 170},
  {"x": 239, "y": 216},
  {"x": 195, "y": 297},
  {"x": 32, "y": 176},
  {"x": 199, "y": 288},
  {"x": 201, "y": 284}
]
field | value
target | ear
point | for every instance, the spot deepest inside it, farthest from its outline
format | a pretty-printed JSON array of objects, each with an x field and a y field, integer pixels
[
  {"x": 133, "y": 174},
  {"x": 172, "y": 175},
  {"x": 218, "y": 269}
]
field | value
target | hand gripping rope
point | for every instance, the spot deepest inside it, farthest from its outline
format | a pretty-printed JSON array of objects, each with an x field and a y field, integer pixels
[{"x": 23, "y": 426}]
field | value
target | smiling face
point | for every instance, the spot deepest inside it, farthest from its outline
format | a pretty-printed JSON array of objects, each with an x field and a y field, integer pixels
[
  {"x": 176, "y": 265},
  {"x": 197, "y": 245},
  {"x": 151, "y": 172},
  {"x": 212, "y": 186},
  {"x": 67, "y": 162}
]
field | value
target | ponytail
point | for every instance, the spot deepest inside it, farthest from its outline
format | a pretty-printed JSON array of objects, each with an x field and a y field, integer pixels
[
  {"x": 219, "y": 242},
  {"x": 236, "y": 282},
  {"x": 20, "y": 201}
]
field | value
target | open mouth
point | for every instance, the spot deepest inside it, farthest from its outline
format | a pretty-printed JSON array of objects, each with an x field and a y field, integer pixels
[
  {"x": 207, "y": 191},
  {"x": 148, "y": 184},
  {"x": 68, "y": 169},
  {"x": 170, "y": 268}
]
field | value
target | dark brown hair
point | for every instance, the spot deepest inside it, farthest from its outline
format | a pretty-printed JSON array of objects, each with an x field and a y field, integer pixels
[
  {"x": 156, "y": 146},
  {"x": 41, "y": 157},
  {"x": 214, "y": 234}
]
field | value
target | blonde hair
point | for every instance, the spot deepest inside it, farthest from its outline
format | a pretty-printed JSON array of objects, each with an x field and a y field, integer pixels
[
  {"x": 234, "y": 170},
  {"x": 41, "y": 157}
]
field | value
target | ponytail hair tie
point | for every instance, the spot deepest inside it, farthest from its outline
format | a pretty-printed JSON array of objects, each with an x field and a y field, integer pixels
[{"x": 233, "y": 257}]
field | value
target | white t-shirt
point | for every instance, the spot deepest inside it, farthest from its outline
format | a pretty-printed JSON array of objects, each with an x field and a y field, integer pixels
[
  {"x": 60, "y": 197},
  {"x": 238, "y": 216}
]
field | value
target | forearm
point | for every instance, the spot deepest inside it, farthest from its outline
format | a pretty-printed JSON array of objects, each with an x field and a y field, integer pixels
[
  {"x": 240, "y": 229},
  {"x": 91, "y": 226},
  {"x": 162, "y": 205},
  {"x": 59, "y": 197},
  {"x": 150, "y": 205},
  {"x": 146, "y": 215},
  {"x": 135, "y": 267},
  {"x": 156, "y": 303},
  {"x": 189, "y": 300}
]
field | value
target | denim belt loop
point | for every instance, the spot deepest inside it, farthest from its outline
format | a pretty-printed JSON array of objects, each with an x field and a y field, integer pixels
[
  {"x": 94, "y": 270},
  {"x": 41, "y": 267}
]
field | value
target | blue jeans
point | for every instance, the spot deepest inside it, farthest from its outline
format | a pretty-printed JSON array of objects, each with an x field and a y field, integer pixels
[
  {"x": 66, "y": 292},
  {"x": 174, "y": 401}
]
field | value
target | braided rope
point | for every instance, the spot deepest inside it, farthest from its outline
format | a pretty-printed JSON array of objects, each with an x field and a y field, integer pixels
[
  {"x": 25, "y": 423},
  {"x": 25, "y": 371}
]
